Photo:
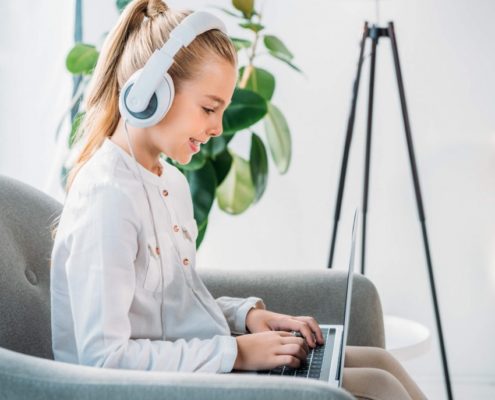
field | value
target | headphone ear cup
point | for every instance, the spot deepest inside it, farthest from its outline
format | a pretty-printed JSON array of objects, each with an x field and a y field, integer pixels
[{"x": 157, "y": 108}]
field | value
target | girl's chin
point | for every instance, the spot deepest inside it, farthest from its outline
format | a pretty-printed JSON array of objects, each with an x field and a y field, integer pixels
[
  {"x": 184, "y": 160},
  {"x": 182, "y": 157}
]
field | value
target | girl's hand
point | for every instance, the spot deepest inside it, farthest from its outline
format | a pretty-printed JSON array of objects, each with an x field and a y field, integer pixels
[
  {"x": 267, "y": 350},
  {"x": 258, "y": 320}
]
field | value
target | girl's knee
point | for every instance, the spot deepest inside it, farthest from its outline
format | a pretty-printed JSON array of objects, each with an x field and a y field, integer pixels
[
  {"x": 374, "y": 384},
  {"x": 383, "y": 359},
  {"x": 382, "y": 378},
  {"x": 374, "y": 357}
]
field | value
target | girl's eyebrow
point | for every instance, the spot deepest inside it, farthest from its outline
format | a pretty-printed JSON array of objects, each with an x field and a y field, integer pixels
[{"x": 216, "y": 98}]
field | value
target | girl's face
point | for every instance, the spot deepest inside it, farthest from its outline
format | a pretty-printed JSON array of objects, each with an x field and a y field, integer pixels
[{"x": 196, "y": 112}]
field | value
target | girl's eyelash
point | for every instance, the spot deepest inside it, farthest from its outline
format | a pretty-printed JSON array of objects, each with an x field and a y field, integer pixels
[{"x": 208, "y": 110}]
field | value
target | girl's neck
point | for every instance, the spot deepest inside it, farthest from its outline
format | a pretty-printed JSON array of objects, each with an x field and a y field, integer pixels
[{"x": 141, "y": 150}]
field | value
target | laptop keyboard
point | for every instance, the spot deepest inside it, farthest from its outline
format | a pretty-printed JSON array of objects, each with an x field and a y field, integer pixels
[{"x": 311, "y": 368}]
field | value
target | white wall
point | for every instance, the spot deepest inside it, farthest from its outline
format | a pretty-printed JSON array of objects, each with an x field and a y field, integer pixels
[
  {"x": 446, "y": 51},
  {"x": 35, "y": 38}
]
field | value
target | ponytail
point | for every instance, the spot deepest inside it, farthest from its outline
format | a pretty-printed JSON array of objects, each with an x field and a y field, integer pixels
[{"x": 102, "y": 112}]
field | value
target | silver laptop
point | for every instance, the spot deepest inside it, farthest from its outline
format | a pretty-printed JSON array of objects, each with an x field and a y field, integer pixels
[{"x": 325, "y": 362}]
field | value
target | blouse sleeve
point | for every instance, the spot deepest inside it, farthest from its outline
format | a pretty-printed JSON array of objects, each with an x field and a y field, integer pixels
[
  {"x": 235, "y": 310},
  {"x": 101, "y": 281}
]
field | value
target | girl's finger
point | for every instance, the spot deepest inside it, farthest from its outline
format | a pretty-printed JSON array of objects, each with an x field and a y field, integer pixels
[
  {"x": 293, "y": 349},
  {"x": 315, "y": 327},
  {"x": 284, "y": 333},
  {"x": 296, "y": 340},
  {"x": 305, "y": 330},
  {"x": 298, "y": 326},
  {"x": 288, "y": 360}
]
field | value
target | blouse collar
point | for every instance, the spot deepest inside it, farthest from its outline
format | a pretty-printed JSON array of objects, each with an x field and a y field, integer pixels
[{"x": 147, "y": 174}]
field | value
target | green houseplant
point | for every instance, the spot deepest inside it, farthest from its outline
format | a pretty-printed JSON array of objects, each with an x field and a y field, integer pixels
[{"x": 217, "y": 172}]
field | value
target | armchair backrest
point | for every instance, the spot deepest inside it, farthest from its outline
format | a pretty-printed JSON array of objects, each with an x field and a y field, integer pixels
[{"x": 25, "y": 248}]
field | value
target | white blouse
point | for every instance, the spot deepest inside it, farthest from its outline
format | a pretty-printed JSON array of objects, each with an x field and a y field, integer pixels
[{"x": 108, "y": 305}]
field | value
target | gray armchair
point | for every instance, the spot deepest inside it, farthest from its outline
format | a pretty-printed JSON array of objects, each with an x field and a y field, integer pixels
[{"x": 27, "y": 368}]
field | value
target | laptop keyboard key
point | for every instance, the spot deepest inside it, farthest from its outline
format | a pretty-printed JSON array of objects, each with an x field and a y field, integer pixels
[{"x": 314, "y": 374}]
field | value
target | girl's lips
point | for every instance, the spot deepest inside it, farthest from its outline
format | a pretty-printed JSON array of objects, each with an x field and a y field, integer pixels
[{"x": 193, "y": 147}]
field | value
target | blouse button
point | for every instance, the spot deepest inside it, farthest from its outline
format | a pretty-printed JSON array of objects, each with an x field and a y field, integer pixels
[
  {"x": 165, "y": 192},
  {"x": 185, "y": 261},
  {"x": 176, "y": 228}
]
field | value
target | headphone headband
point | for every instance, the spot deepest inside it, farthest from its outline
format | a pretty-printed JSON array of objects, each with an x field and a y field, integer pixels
[{"x": 153, "y": 71}]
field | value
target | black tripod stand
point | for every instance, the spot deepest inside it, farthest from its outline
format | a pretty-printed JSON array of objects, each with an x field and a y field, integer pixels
[{"x": 375, "y": 33}]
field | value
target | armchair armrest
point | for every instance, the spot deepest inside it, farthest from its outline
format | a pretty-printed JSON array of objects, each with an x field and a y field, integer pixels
[
  {"x": 28, "y": 377},
  {"x": 319, "y": 293}
]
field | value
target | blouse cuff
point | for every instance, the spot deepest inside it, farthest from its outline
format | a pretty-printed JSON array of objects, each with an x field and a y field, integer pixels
[{"x": 229, "y": 344}]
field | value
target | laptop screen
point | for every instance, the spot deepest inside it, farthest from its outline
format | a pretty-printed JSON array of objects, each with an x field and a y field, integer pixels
[{"x": 348, "y": 295}]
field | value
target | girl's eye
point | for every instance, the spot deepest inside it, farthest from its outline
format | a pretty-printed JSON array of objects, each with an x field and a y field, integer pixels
[{"x": 208, "y": 110}]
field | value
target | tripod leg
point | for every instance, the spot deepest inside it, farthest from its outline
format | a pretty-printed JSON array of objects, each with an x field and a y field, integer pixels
[
  {"x": 347, "y": 145},
  {"x": 419, "y": 203},
  {"x": 374, "y": 42}
]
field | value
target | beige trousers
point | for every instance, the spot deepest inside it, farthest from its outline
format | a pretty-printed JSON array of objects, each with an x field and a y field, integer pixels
[{"x": 373, "y": 373}]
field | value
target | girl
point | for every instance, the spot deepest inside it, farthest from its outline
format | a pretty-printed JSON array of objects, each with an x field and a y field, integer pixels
[{"x": 124, "y": 289}]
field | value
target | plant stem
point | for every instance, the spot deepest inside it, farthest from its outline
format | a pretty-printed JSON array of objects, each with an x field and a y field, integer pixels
[
  {"x": 75, "y": 98},
  {"x": 245, "y": 76},
  {"x": 250, "y": 67}
]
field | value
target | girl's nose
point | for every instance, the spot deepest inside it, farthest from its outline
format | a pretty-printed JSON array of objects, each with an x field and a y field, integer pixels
[{"x": 216, "y": 131}]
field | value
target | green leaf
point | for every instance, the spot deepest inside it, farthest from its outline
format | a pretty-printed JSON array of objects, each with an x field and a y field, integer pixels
[
  {"x": 260, "y": 81},
  {"x": 246, "y": 109},
  {"x": 215, "y": 146},
  {"x": 281, "y": 57},
  {"x": 275, "y": 45},
  {"x": 253, "y": 26},
  {"x": 229, "y": 137},
  {"x": 198, "y": 160},
  {"x": 201, "y": 233},
  {"x": 121, "y": 4},
  {"x": 82, "y": 59},
  {"x": 279, "y": 139},
  {"x": 244, "y": 6},
  {"x": 236, "y": 193},
  {"x": 222, "y": 164},
  {"x": 241, "y": 43},
  {"x": 64, "y": 174},
  {"x": 258, "y": 162},
  {"x": 202, "y": 183},
  {"x": 75, "y": 126}
]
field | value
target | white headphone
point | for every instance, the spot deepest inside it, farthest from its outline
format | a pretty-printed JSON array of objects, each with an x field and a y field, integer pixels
[{"x": 148, "y": 94}]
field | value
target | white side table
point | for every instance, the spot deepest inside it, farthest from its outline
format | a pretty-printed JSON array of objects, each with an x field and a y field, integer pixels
[{"x": 405, "y": 338}]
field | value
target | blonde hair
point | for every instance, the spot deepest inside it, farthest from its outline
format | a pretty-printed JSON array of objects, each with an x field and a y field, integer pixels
[{"x": 143, "y": 27}]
